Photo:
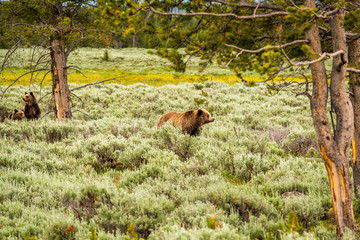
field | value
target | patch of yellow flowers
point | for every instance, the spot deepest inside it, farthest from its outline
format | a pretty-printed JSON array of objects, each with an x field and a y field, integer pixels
[{"x": 126, "y": 78}]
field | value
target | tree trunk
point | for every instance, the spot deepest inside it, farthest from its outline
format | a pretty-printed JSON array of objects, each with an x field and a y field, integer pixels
[
  {"x": 354, "y": 59},
  {"x": 60, "y": 88},
  {"x": 334, "y": 147}
]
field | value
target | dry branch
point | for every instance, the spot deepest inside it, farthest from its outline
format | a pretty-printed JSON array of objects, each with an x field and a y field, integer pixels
[
  {"x": 82, "y": 113},
  {"x": 86, "y": 85},
  {"x": 8, "y": 54},
  {"x": 95, "y": 83},
  {"x": 3, "y": 93},
  {"x": 306, "y": 91},
  {"x": 78, "y": 97},
  {"x": 251, "y": 5},
  {"x": 46, "y": 114},
  {"x": 76, "y": 68},
  {"x": 233, "y": 15},
  {"x": 325, "y": 54},
  {"x": 242, "y": 50},
  {"x": 353, "y": 70}
]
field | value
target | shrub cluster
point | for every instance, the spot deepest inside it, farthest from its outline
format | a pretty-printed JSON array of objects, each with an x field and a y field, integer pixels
[{"x": 115, "y": 175}]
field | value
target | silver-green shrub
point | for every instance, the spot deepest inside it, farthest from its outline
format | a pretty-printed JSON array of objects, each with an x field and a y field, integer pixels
[{"x": 112, "y": 168}]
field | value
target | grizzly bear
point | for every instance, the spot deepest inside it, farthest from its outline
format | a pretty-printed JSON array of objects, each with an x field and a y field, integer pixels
[
  {"x": 16, "y": 115},
  {"x": 32, "y": 109},
  {"x": 190, "y": 121}
]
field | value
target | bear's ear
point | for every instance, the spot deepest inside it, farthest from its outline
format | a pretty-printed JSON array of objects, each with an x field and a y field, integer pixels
[
  {"x": 25, "y": 92},
  {"x": 200, "y": 112},
  {"x": 31, "y": 93},
  {"x": 15, "y": 110}
]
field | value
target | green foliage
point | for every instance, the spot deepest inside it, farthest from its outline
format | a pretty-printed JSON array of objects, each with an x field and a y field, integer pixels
[
  {"x": 61, "y": 231},
  {"x": 293, "y": 224},
  {"x": 117, "y": 169},
  {"x": 106, "y": 56},
  {"x": 93, "y": 235},
  {"x": 131, "y": 234},
  {"x": 40, "y": 20},
  {"x": 212, "y": 223},
  {"x": 174, "y": 57},
  {"x": 29, "y": 237},
  {"x": 352, "y": 20}
]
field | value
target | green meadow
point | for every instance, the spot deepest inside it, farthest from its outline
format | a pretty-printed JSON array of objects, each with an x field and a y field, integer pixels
[
  {"x": 129, "y": 65},
  {"x": 109, "y": 173}
]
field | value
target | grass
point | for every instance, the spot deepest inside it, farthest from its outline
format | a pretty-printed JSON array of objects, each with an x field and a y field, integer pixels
[{"x": 111, "y": 174}]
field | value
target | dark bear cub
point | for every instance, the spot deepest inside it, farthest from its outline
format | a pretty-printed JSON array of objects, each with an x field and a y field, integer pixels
[
  {"x": 190, "y": 121},
  {"x": 16, "y": 115},
  {"x": 32, "y": 109}
]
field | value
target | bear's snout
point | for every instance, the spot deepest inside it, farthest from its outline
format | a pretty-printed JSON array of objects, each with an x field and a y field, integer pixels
[{"x": 211, "y": 119}]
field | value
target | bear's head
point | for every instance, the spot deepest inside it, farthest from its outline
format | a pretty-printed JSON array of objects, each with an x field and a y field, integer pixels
[
  {"x": 204, "y": 116},
  {"x": 29, "y": 99},
  {"x": 18, "y": 114}
]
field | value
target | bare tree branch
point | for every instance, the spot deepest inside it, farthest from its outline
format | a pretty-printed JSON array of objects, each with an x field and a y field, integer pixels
[
  {"x": 46, "y": 114},
  {"x": 95, "y": 83},
  {"x": 8, "y": 54},
  {"x": 82, "y": 113},
  {"x": 78, "y": 97},
  {"x": 3, "y": 93},
  {"x": 142, "y": 28},
  {"x": 276, "y": 73},
  {"x": 257, "y": 6},
  {"x": 220, "y": 14},
  {"x": 86, "y": 85},
  {"x": 75, "y": 11},
  {"x": 353, "y": 70},
  {"x": 306, "y": 92},
  {"x": 44, "y": 96},
  {"x": 76, "y": 68},
  {"x": 242, "y": 50},
  {"x": 42, "y": 80},
  {"x": 325, "y": 15},
  {"x": 325, "y": 54},
  {"x": 251, "y": 5}
]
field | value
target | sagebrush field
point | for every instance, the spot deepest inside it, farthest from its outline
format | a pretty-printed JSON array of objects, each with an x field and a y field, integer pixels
[{"x": 254, "y": 173}]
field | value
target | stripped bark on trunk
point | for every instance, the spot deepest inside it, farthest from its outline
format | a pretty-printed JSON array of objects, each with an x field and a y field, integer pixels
[
  {"x": 60, "y": 88},
  {"x": 354, "y": 59},
  {"x": 334, "y": 147}
]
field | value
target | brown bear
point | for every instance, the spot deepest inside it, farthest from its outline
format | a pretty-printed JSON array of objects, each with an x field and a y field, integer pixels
[
  {"x": 32, "y": 109},
  {"x": 16, "y": 115},
  {"x": 190, "y": 121}
]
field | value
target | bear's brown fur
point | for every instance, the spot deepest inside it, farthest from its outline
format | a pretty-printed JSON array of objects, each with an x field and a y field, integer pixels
[
  {"x": 190, "y": 121},
  {"x": 16, "y": 115},
  {"x": 32, "y": 109}
]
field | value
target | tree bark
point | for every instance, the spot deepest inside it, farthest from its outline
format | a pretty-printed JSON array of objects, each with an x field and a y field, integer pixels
[
  {"x": 334, "y": 147},
  {"x": 354, "y": 59},
  {"x": 60, "y": 88}
]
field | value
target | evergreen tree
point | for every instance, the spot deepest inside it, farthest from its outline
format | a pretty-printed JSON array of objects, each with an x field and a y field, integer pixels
[{"x": 58, "y": 26}]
